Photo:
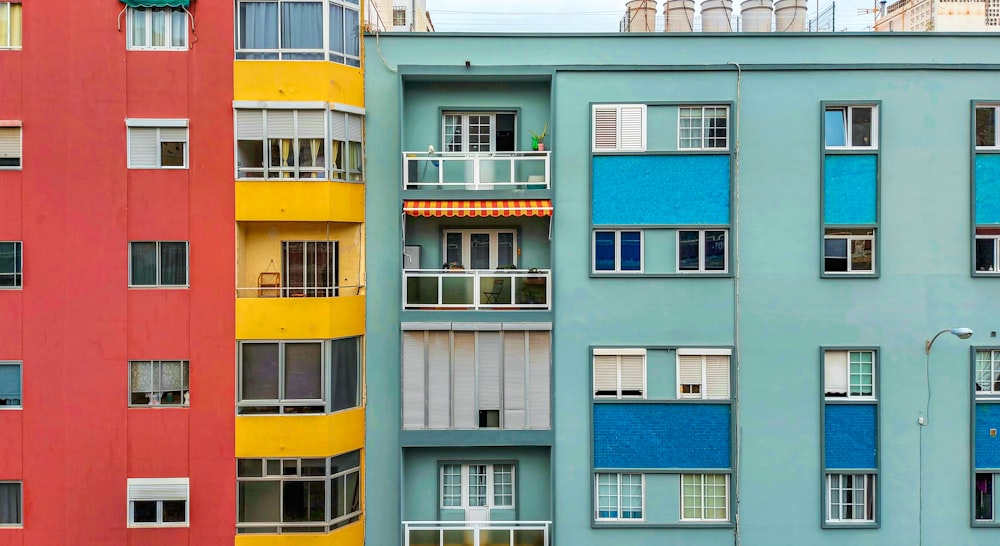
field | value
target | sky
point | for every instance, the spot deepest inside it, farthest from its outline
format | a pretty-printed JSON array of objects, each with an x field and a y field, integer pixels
[{"x": 579, "y": 15}]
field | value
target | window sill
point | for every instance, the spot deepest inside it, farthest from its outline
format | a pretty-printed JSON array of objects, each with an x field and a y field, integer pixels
[
  {"x": 11, "y": 168},
  {"x": 986, "y": 274},
  {"x": 639, "y": 274},
  {"x": 173, "y": 49},
  {"x": 184, "y": 168},
  {"x": 622, "y": 524},
  {"x": 159, "y": 406},
  {"x": 850, "y": 525},
  {"x": 985, "y": 524},
  {"x": 2, "y": 288},
  {"x": 11, "y": 408},
  {"x": 850, "y": 400},
  {"x": 158, "y": 525},
  {"x": 159, "y": 287},
  {"x": 848, "y": 275}
]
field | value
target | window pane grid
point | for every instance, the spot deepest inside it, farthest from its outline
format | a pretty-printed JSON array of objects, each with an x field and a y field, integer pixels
[
  {"x": 503, "y": 485},
  {"x": 157, "y": 28},
  {"x": 861, "y": 373},
  {"x": 299, "y": 30},
  {"x": 704, "y": 497},
  {"x": 607, "y": 496},
  {"x": 987, "y": 372},
  {"x": 477, "y": 485},
  {"x": 451, "y": 484},
  {"x": 703, "y": 128},
  {"x": 851, "y": 497},
  {"x": 10, "y": 265}
]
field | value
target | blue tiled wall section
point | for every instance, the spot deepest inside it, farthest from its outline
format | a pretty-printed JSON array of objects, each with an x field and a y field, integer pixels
[
  {"x": 987, "y": 447},
  {"x": 661, "y": 436},
  {"x": 988, "y": 189},
  {"x": 850, "y": 185},
  {"x": 851, "y": 437},
  {"x": 661, "y": 189}
]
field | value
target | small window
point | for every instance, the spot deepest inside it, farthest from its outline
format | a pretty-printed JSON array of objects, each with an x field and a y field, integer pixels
[
  {"x": 703, "y": 128},
  {"x": 157, "y": 502},
  {"x": 849, "y": 250},
  {"x": 157, "y": 28},
  {"x": 10, "y": 24},
  {"x": 702, "y": 251},
  {"x": 11, "y": 500},
  {"x": 619, "y": 497},
  {"x": 489, "y": 486},
  {"x": 10, "y": 264},
  {"x": 619, "y": 127},
  {"x": 399, "y": 16},
  {"x": 157, "y": 147},
  {"x": 851, "y": 127},
  {"x": 850, "y": 498},
  {"x": 10, "y": 143},
  {"x": 849, "y": 374},
  {"x": 346, "y": 147},
  {"x": 703, "y": 374},
  {"x": 10, "y": 385},
  {"x": 704, "y": 497},
  {"x": 986, "y": 127},
  {"x": 159, "y": 383},
  {"x": 987, "y": 373},
  {"x": 618, "y": 251},
  {"x": 619, "y": 373},
  {"x": 158, "y": 263},
  {"x": 985, "y": 509},
  {"x": 987, "y": 250}
]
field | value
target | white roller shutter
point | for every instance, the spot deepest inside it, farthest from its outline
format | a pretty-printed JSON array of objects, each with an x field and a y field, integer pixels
[
  {"x": 539, "y": 378},
  {"x": 835, "y": 372},
  {"x": 142, "y": 147},
  {"x": 354, "y": 130},
  {"x": 439, "y": 380},
  {"x": 413, "y": 380},
  {"x": 633, "y": 375},
  {"x": 632, "y": 129},
  {"x": 605, "y": 128},
  {"x": 281, "y": 123},
  {"x": 488, "y": 368},
  {"x": 154, "y": 489},
  {"x": 689, "y": 374},
  {"x": 311, "y": 124},
  {"x": 717, "y": 377},
  {"x": 464, "y": 370},
  {"x": 514, "y": 380},
  {"x": 173, "y": 134},
  {"x": 249, "y": 125},
  {"x": 338, "y": 126},
  {"x": 606, "y": 375},
  {"x": 10, "y": 142}
]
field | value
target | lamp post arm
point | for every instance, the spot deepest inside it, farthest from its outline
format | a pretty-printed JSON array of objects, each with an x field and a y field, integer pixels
[{"x": 929, "y": 344}]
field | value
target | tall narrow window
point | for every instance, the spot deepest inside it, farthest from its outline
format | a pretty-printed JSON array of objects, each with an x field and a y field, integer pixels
[
  {"x": 10, "y": 504},
  {"x": 310, "y": 269},
  {"x": 346, "y": 154},
  {"x": 984, "y": 496},
  {"x": 10, "y": 24},
  {"x": 986, "y": 127}
]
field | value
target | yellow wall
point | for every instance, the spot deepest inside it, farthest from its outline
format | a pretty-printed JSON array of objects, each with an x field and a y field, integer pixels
[
  {"x": 301, "y": 201},
  {"x": 300, "y": 435},
  {"x": 300, "y": 318},
  {"x": 351, "y": 535},
  {"x": 260, "y": 243},
  {"x": 298, "y": 81}
]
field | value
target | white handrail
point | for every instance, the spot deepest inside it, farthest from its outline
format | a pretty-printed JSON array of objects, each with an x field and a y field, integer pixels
[
  {"x": 521, "y": 289},
  {"x": 478, "y": 176}
]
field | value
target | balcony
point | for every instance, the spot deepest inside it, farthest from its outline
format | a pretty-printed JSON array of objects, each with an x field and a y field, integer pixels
[
  {"x": 477, "y": 289},
  {"x": 477, "y": 171},
  {"x": 476, "y": 533}
]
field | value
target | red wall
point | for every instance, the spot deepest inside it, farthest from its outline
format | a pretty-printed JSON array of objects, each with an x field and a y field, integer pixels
[{"x": 75, "y": 324}]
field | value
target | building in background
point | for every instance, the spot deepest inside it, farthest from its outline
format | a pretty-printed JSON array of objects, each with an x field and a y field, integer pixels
[
  {"x": 939, "y": 16},
  {"x": 398, "y": 16},
  {"x": 698, "y": 309}
]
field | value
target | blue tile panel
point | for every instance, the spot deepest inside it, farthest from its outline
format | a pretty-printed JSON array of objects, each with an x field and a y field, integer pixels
[
  {"x": 849, "y": 189},
  {"x": 661, "y": 189},
  {"x": 661, "y": 435},
  {"x": 851, "y": 437},
  {"x": 988, "y": 189},
  {"x": 987, "y": 447}
]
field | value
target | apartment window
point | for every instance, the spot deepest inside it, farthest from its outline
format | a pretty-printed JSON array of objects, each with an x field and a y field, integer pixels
[
  {"x": 849, "y": 250},
  {"x": 986, "y": 127},
  {"x": 298, "y": 495},
  {"x": 987, "y": 250},
  {"x": 346, "y": 155},
  {"x": 157, "y": 144},
  {"x": 299, "y": 30},
  {"x": 10, "y": 384},
  {"x": 10, "y": 264},
  {"x": 310, "y": 268},
  {"x": 987, "y": 372},
  {"x": 10, "y": 142},
  {"x": 619, "y": 373},
  {"x": 487, "y": 486},
  {"x": 984, "y": 507},
  {"x": 158, "y": 263},
  {"x": 849, "y": 374},
  {"x": 851, "y": 127},
  {"x": 399, "y": 16},
  {"x": 704, "y": 497},
  {"x": 280, "y": 144},
  {"x": 480, "y": 248},
  {"x": 618, "y": 251},
  {"x": 619, "y": 497},
  {"x": 10, "y": 24},
  {"x": 299, "y": 377},
  {"x": 703, "y": 128},
  {"x": 159, "y": 383},
  {"x": 850, "y": 497},
  {"x": 157, "y": 28},
  {"x": 158, "y": 502},
  {"x": 703, "y": 373},
  {"x": 619, "y": 127},
  {"x": 468, "y": 132},
  {"x": 702, "y": 250},
  {"x": 11, "y": 501}
]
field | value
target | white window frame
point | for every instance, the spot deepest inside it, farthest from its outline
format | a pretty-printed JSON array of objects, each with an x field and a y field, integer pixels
[
  {"x": 14, "y": 125},
  {"x": 702, "y": 393},
  {"x": 996, "y": 126},
  {"x": 168, "y": 28},
  {"x": 702, "y": 496},
  {"x": 396, "y": 10},
  {"x": 616, "y": 110},
  {"x": 464, "y": 123},
  {"x": 618, "y": 251},
  {"x": 847, "y": 370},
  {"x": 618, "y": 354},
  {"x": 282, "y": 404},
  {"x": 155, "y": 395},
  {"x": 618, "y": 496},
  {"x": 18, "y": 273},
  {"x": 993, "y": 355},
  {"x": 706, "y": 141},
  {"x": 285, "y": 173},
  {"x": 702, "y": 242},
  {"x": 851, "y": 239},
  {"x": 347, "y": 172},
  {"x": 326, "y": 53},
  {"x": 158, "y": 125},
  {"x": 170, "y": 487},
  {"x": 867, "y": 480},
  {"x": 6, "y": 6},
  {"x": 467, "y": 245},
  {"x": 996, "y": 250},
  {"x": 491, "y": 485},
  {"x": 20, "y": 372},
  {"x": 20, "y": 488},
  {"x": 848, "y": 110},
  {"x": 159, "y": 283}
]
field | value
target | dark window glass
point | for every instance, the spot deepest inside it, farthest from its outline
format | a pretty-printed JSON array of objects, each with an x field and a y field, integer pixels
[
  {"x": 344, "y": 462},
  {"x": 260, "y": 371},
  {"x": 489, "y": 418},
  {"x": 344, "y": 373},
  {"x": 10, "y": 264},
  {"x": 604, "y": 251},
  {"x": 249, "y": 468},
  {"x": 861, "y": 126},
  {"x": 10, "y": 387},
  {"x": 173, "y": 264},
  {"x": 313, "y": 467},
  {"x": 986, "y": 126},
  {"x": 303, "y": 371},
  {"x": 688, "y": 251},
  {"x": 984, "y": 497},
  {"x": 171, "y": 154},
  {"x": 174, "y": 511},
  {"x": 259, "y": 502},
  {"x": 861, "y": 255},
  {"x": 631, "y": 250},
  {"x": 144, "y": 511},
  {"x": 835, "y": 255},
  {"x": 303, "y": 501},
  {"x": 10, "y": 503},
  {"x": 715, "y": 251},
  {"x": 986, "y": 255},
  {"x": 143, "y": 264}
]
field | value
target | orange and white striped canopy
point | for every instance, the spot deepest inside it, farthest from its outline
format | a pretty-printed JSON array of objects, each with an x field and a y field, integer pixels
[{"x": 518, "y": 207}]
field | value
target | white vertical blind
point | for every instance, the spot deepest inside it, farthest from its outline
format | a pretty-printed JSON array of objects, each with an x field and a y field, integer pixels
[
  {"x": 632, "y": 131},
  {"x": 489, "y": 370},
  {"x": 438, "y": 379},
  {"x": 689, "y": 373},
  {"x": 249, "y": 125},
  {"x": 605, "y": 128},
  {"x": 717, "y": 377},
  {"x": 514, "y": 380},
  {"x": 413, "y": 380},
  {"x": 142, "y": 147},
  {"x": 539, "y": 366},
  {"x": 835, "y": 372},
  {"x": 464, "y": 394}
]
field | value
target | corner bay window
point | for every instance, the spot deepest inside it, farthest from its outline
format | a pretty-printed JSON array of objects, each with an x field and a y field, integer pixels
[{"x": 299, "y": 30}]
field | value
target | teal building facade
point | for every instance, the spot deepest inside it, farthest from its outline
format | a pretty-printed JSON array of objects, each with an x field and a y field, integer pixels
[{"x": 675, "y": 289}]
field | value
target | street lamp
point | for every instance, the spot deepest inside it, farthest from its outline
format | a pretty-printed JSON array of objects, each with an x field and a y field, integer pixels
[{"x": 962, "y": 333}]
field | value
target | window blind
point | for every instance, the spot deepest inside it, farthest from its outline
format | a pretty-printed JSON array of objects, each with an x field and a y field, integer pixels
[
  {"x": 438, "y": 379},
  {"x": 249, "y": 125},
  {"x": 10, "y": 142},
  {"x": 153, "y": 489},
  {"x": 514, "y": 379},
  {"x": 689, "y": 375},
  {"x": 464, "y": 394},
  {"x": 632, "y": 131},
  {"x": 142, "y": 147},
  {"x": 605, "y": 128},
  {"x": 717, "y": 377},
  {"x": 539, "y": 366},
  {"x": 835, "y": 372},
  {"x": 413, "y": 380}
]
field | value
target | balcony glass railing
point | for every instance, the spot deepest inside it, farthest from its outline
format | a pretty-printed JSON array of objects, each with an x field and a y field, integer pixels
[
  {"x": 476, "y": 289},
  {"x": 477, "y": 171},
  {"x": 476, "y": 533}
]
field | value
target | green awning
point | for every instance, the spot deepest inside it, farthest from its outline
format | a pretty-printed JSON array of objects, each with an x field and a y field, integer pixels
[{"x": 157, "y": 3}]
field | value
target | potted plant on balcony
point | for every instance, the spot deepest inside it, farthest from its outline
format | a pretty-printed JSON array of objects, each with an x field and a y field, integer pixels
[{"x": 538, "y": 140}]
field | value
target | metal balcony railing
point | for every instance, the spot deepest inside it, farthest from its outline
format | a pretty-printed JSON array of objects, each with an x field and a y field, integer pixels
[
  {"x": 477, "y": 289},
  {"x": 477, "y": 171},
  {"x": 277, "y": 291},
  {"x": 476, "y": 533}
]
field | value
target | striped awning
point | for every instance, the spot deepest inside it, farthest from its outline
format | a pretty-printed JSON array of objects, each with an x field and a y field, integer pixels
[{"x": 519, "y": 207}]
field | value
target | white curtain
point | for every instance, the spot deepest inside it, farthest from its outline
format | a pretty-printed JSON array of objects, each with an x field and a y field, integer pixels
[
  {"x": 302, "y": 25},
  {"x": 259, "y": 25}
]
